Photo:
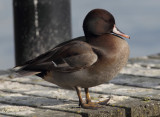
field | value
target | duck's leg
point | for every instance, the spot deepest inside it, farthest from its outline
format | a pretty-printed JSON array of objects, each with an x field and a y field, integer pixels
[
  {"x": 78, "y": 90},
  {"x": 82, "y": 104},
  {"x": 88, "y": 99}
]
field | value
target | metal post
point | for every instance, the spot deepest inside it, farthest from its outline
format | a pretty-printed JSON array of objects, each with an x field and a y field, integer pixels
[{"x": 39, "y": 25}]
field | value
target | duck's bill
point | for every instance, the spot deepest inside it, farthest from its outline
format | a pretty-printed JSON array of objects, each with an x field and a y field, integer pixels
[{"x": 118, "y": 32}]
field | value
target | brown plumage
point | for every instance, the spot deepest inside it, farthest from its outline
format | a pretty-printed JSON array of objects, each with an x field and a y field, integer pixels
[{"x": 86, "y": 61}]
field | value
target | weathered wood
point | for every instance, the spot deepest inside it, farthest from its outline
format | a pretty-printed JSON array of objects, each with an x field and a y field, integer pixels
[
  {"x": 137, "y": 81},
  {"x": 133, "y": 95},
  {"x": 138, "y": 107},
  {"x": 136, "y": 69}
]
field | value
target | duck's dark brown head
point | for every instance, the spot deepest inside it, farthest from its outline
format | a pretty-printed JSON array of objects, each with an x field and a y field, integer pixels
[{"x": 99, "y": 22}]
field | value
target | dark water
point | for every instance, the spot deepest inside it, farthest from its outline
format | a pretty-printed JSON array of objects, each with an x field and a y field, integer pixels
[{"x": 139, "y": 18}]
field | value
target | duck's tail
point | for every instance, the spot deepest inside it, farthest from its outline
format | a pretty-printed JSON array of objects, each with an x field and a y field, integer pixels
[{"x": 19, "y": 71}]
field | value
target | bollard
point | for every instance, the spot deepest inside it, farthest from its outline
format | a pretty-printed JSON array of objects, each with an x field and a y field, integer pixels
[{"x": 39, "y": 25}]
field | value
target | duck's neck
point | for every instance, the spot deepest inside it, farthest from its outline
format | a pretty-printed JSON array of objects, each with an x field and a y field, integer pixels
[
  {"x": 106, "y": 41},
  {"x": 96, "y": 40}
]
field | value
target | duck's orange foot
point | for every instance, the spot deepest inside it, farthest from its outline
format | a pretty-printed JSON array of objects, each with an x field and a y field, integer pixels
[
  {"x": 104, "y": 102},
  {"x": 95, "y": 105}
]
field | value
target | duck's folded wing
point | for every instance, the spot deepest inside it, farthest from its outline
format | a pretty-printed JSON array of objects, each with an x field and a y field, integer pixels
[
  {"x": 76, "y": 62},
  {"x": 70, "y": 57}
]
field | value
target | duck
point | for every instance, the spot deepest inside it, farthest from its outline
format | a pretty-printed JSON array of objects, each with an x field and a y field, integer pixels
[{"x": 86, "y": 61}]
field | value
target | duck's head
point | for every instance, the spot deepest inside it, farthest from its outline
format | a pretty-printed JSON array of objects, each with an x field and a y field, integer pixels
[{"x": 99, "y": 22}]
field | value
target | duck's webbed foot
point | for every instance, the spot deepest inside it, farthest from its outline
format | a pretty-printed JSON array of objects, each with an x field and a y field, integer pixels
[
  {"x": 104, "y": 102},
  {"x": 89, "y": 104}
]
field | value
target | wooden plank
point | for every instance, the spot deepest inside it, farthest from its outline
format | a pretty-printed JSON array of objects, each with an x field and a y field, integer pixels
[
  {"x": 137, "y": 107},
  {"x": 144, "y": 60},
  {"x": 123, "y": 90},
  {"x": 58, "y": 107},
  {"x": 12, "y": 110},
  {"x": 138, "y": 81},
  {"x": 9, "y": 110},
  {"x": 136, "y": 69},
  {"x": 101, "y": 89},
  {"x": 135, "y": 93},
  {"x": 28, "y": 80},
  {"x": 37, "y": 96},
  {"x": 143, "y": 66},
  {"x": 59, "y": 99},
  {"x": 122, "y": 79}
]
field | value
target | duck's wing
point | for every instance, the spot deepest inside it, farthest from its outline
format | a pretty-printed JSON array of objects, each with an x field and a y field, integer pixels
[
  {"x": 69, "y": 57},
  {"x": 48, "y": 56}
]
